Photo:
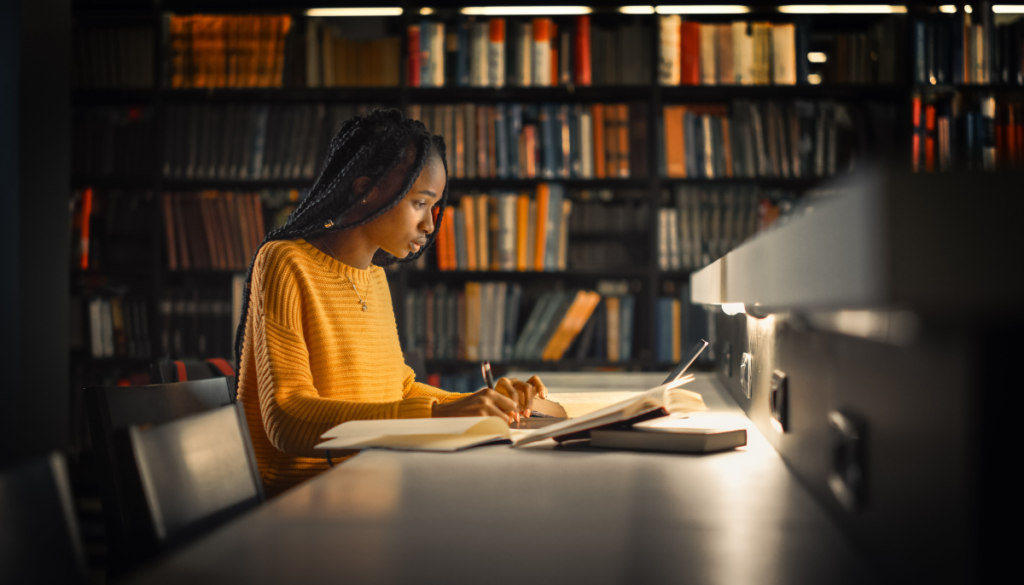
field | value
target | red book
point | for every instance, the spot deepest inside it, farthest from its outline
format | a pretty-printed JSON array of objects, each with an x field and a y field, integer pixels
[
  {"x": 1011, "y": 135},
  {"x": 915, "y": 115},
  {"x": 689, "y": 57},
  {"x": 929, "y": 139},
  {"x": 582, "y": 47},
  {"x": 413, "y": 67},
  {"x": 553, "y": 39},
  {"x": 83, "y": 229}
]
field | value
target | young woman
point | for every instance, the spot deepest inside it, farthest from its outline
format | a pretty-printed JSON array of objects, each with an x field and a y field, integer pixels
[{"x": 317, "y": 344}]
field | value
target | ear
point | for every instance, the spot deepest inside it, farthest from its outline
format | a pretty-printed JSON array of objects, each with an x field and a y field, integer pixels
[{"x": 361, "y": 185}]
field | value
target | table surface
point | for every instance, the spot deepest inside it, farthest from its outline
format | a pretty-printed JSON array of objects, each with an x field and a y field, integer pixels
[{"x": 536, "y": 514}]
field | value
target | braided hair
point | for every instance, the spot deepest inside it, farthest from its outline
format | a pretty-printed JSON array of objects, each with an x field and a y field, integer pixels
[{"x": 382, "y": 146}]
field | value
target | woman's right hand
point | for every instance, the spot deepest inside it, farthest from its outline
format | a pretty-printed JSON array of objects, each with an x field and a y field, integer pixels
[{"x": 486, "y": 402}]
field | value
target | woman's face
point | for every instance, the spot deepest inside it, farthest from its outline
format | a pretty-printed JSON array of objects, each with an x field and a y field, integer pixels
[{"x": 403, "y": 229}]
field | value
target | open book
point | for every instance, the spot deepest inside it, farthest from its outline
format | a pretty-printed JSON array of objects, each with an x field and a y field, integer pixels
[
  {"x": 666, "y": 399},
  {"x": 417, "y": 434}
]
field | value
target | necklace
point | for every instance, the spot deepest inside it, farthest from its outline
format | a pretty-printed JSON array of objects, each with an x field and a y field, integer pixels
[{"x": 331, "y": 250}]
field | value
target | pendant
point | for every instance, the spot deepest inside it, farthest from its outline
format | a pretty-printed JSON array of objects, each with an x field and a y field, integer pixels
[{"x": 364, "y": 307}]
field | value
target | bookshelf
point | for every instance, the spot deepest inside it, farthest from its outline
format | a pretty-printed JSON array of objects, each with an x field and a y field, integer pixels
[{"x": 892, "y": 132}]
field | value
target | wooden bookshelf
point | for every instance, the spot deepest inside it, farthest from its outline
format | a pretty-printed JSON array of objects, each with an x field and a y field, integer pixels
[{"x": 652, "y": 280}]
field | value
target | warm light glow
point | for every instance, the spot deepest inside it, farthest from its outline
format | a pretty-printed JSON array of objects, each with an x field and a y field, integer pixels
[
  {"x": 1007, "y": 9},
  {"x": 733, "y": 308},
  {"x": 525, "y": 10},
  {"x": 968, "y": 9},
  {"x": 817, "y": 57},
  {"x": 636, "y": 9},
  {"x": 723, "y": 9},
  {"x": 381, "y": 11},
  {"x": 813, "y": 79},
  {"x": 948, "y": 9},
  {"x": 426, "y": 11},
  {"x": 843, "y": 9}
]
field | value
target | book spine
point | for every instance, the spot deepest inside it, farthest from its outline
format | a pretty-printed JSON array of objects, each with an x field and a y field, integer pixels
[
  {"x": 690, "y": 53},
  {"x": 581, "y": 61},
  {"x": 669, "y": 49},
  {"x": 496, "y": 53},
  {"x": 415, "y": 56},
  {"x": 541, "y": 52}
]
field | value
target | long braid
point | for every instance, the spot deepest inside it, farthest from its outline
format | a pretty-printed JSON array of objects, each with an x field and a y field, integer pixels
[{"x": 371, "y": 146}]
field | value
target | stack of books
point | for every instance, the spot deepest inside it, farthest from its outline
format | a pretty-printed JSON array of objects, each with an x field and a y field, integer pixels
[
  {"x": 212, "y": 230},
  {"x": 211, "y": 51}
]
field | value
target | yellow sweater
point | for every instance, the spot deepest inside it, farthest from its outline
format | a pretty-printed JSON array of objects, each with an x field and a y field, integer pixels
[{"x": 312, "y": 359}]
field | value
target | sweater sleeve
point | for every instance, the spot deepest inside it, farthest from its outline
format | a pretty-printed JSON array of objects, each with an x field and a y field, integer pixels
[
  {"x": 294, "y": 414},
  {"x": 413, "y": 389}
]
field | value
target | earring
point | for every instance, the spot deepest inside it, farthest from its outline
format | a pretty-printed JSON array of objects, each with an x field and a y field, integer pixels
[
  {"x": 329, "y": 224},
  {"x": 364, "y": 201}
]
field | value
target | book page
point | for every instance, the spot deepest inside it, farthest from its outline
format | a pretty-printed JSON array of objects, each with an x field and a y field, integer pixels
[{"x": 479, "y": 425}]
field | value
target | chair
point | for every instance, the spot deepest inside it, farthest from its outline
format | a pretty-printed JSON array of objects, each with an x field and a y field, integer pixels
[
  {"x": 39, "y": 538},
  {"x": 114, "y": 408},
  {"x": 196, "y": 473},
  {"x": 167, "y": 371}
]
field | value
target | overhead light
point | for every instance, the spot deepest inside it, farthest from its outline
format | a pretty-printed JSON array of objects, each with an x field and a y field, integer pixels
[
  {"x": 813, "y": 79},
  {"x": 842, "y": 9},
  {"x": 1008, "y": 9},
  {"x": 817, "y": 57},
  {"x": 968, "y": 9},
  {"x": 733, "y": 308},
  {"x": 706, "y": 9},
  {"x": 425, "y": 11},
  {"x": 379, "y": 11},
  {"x": 947, "y": 9},
  {"x": 525, "y": 10},
  {"x": 636, "y": 9}
]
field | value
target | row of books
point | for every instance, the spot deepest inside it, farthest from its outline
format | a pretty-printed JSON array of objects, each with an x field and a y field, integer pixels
[
  {"x": 495, "y": 321},
  {"x": 506, "y": 231},
  {"x": 546, "y": 141},
  {"x": 608, "y": 212},
  {"x": 212, "y": 230},
  {"x": 111, "y": 228},
  {"x": 335, "y": 55},
  {"x": 110, "y": 325},
  {"x": 749, "y": 139},
  {"x": 225, "y": 51},
  {"x": 869, "y": 57},
  {"x": 250, "y": 141},
  {"x": 112, "y": 141},
  {"x": 530, "y": 52},
  {"x": 968, "y": 48},
  {"x": 196, "y": 323},
  {"x": 958, "y": 132},
  {"x": 736, "y": 53},
  {"x": 112, "y": 58},
  {"x": 707, "y": 222}
]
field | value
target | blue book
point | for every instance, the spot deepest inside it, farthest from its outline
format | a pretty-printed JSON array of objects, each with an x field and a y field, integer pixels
[
  {"x": 600, "y": 343},
  {"x": 514, "y": 120},
  {"x": 462, "y": 60},
  {"x": 547, "y": 141},
  {"x": 627, "y": 305},
  {"x": 557, "y": 195},
  {"x": 920, "y": 52},
  {"x": 501, "y": 141},
  {"x": 575, "y": 162},
  {"x": 663, "y": 315},
  {"x": 512, "y": 299}
]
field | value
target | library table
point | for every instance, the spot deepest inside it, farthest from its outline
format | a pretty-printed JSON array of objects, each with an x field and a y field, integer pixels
[{"x": 537, "y": 514}]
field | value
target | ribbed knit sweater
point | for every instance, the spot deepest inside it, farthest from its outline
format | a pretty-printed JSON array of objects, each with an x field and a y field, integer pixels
[{"x": 312, "y": 359}]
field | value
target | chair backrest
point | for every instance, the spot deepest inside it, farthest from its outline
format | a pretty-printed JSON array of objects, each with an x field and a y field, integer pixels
[
  {"x": 114, "y": 408},
  {"x": 166, "y": 371},
  {"x": 39, "y": 538},
  {"x": 196, "y": 472}
]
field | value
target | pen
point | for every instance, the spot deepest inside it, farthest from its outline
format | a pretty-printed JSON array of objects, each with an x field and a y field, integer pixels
[{"x": 485, "y": 369}]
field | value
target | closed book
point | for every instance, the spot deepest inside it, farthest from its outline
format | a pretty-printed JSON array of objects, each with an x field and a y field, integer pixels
[
  {"x": 600, "y": 167},
  {"x": 669, "y": 49},
  {"x": 414, "y": 64},
  {"x": 550, "y": 143},
  {"x": 743, "y": 52},
  {"x": 494, "y": 226},
  {"x": 469, "y": 111},
  {"x": 531, "y": 235},
  {"x": 549, "y": 322},
  {"x": 575, "y": 318},
  {"x": 627, "y": 310},
  {"x": 690, "y": 53},
  {"x": 513, "y": 298},
  {"x": 482, "y": 233},
  {"x": 724, "y": 62},
  {"x": 581, "y": 48},
  {"x": 524, "y": 54},
  {"x": 479, "y": 43},
  {"x": 669, "y": 439},
  {"x": 507, "y": 231},
  {"x": 522, "y": 217},
  {"x": 622, "y": 127},
  {"x": 532, "y": 323},
  {"x": 563, "y": 142},
  {"x": 463, "y": 38},
  {"x": 613, "y": 338},
  {"x": 708, "y": 52},
  {"x": 501, "y": 142},
  {"x": 496, "y": 52},
  {"x": 784, "y": 54},
  {"x": 467, "y": 208},
  {"x": 419, "y": 434},
  {"x": 586, "y": 143},
  {"x": 541, "y": 52},
  {"x": 514, "y": 123},
  {"x": 553, "y": 225},
  {"x": 675, "y": 157}
]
